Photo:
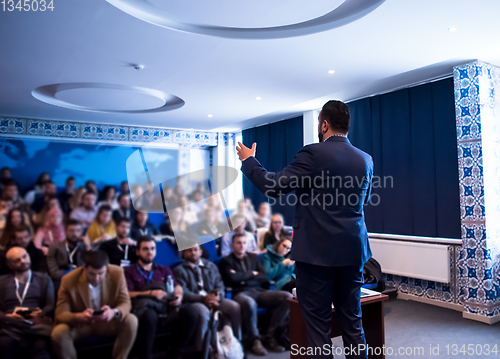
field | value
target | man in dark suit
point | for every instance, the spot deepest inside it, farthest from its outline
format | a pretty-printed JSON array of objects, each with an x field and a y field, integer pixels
[
  {"x": 67, "y": 255},
  {"x": 332, "y": 180}
]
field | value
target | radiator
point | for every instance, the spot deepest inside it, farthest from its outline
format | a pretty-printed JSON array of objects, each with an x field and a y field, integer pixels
[{"x": 411, "y": 259}]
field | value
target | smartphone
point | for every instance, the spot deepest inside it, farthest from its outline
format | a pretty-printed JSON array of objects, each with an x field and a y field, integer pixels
[
  {"x": 24, "y": 313},
  {"x": 98, "y": 312}
]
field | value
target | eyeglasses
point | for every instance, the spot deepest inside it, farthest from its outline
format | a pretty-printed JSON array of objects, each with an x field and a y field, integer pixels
[{"x": 286, "y": 247}]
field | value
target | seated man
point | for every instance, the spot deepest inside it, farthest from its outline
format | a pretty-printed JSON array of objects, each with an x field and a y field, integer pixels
[
  {"x": 93, "y": 300},
  {"x": 124, "y": 210},
  {"x": 203, "y": 287},
  {"x": 243, "y": 272},
  {"x": 225, "y": 247},
  {"x": 23, "y": 238},
  {"x": 87, "y": 211},
  {"x": 120, "y": 250},
  {"x": 67, "y": 255},
  {"x": 141, "y": 279},
  {"x": 25, "y": 296}
]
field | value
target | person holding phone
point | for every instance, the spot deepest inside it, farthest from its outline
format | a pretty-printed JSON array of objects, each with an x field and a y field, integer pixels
[
  {"x": 26, "y": 301},
  {"x": 93, "y": 300},
  {"x": 146, "y": 281}
]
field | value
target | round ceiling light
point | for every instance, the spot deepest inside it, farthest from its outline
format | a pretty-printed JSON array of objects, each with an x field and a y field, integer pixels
[
  {"x": 99, "y": 97},
  {"x": 347, "y": 12}
]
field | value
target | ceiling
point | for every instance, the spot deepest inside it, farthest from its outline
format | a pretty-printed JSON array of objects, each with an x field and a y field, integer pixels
[{"x": 90, "y": 47}]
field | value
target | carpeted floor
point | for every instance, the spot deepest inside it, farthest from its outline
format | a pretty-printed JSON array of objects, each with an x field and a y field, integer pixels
[{"x": 415, "y": 329}]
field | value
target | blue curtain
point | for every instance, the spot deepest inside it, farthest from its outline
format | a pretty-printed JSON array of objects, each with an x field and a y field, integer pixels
[
  {"x": 411, "y": 136},
  {"x": 277, "y": 145}
]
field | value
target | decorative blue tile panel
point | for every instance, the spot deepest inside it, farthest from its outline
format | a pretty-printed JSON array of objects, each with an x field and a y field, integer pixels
[
  {"x": 14, "y": 126},
  {"x": 477, "y": 107}
]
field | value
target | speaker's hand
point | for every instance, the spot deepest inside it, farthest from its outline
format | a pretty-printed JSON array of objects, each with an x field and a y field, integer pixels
[{"x": 244, "y": 152}]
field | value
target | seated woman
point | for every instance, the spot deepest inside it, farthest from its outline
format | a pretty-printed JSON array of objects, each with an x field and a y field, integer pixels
[
  {"x": 102, "y": 227},
  {"x": 14, "y": 218},
  {"x": 38, "y": 219},
  {"x": 276, "y": 231},
  {"x": 52, "y": 231},
  {"x": 263, "y": 218},
  {"x": 278, "y": 268}
]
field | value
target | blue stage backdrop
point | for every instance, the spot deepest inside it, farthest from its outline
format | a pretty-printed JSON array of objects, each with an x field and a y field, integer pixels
[
  {"x": 411, "y": 135},
  {"x": 105, "y": 164}
]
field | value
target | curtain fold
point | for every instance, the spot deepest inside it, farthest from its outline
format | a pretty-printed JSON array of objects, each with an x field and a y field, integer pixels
[{"x": 411, "y": 136}]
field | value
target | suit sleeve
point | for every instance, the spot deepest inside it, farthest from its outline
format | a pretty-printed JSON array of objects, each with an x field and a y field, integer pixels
[
  {"x": 64, "y": 313},
  {"x": 274, "y": 184},
  {"x": 123, "y": 304}
]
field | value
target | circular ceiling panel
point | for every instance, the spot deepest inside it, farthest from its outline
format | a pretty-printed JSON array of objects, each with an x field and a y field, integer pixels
[
  {"x": 347, "y": 12},
  {"x": 98, "y": 97}
]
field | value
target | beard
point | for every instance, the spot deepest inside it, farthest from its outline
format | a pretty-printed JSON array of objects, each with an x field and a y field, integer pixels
[{"x": 145, "y": 260}]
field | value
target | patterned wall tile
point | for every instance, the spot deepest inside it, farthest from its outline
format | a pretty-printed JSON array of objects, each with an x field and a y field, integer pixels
[{"x": 14, "y": 126}]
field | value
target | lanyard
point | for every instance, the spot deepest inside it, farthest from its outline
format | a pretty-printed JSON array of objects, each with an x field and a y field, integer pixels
[
  {"x": 148, "y": 279},
  {"x": 26, "y": 287},
  {"x": 51, "y": 237},
  {"x": 126, "y": 250},
  {"x": 71, "y": 254},
  {"x": 143, "y": 233}
]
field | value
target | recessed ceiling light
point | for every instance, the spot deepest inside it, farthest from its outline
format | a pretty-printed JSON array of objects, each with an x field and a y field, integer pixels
[
  {"x": 258, "y": 98},
  {"x": 331, "y": 72},
  {"x": 452, "y": 29},
  {"x": 209, "y": 115}
]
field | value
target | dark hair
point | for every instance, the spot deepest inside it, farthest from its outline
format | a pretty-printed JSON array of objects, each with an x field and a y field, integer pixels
[
  {"x": 278, "y": 243},
  {"x": 121, "y": 195},
  {"x": 8, "y": 231},
  {"x": 96, "y": 259},
  {"x": 72, "y": 222},
  {"x": 104, "y": 192},
  {"x": 104, "y": 207},
  {"x": 122, "y": 219},
  {"x": 143, "y": 239},
  {"x": 9, "y": 182},
  {"x": 236, "y": 235},
  {"x": 337, "y": 114},
  {"x": 22, "y": 228},
  {"x": 5, "y": 169},
  {"x": 70, "y": 178}
]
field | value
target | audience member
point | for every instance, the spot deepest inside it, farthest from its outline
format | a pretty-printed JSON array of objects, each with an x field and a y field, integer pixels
[
  {"x": 102, "y": 227},
  {"x": 25, "y": 296},
  {"x": 166, "y": 228},
  {"x": 263, "y": 219},
  {"x": 38, "y": 188},
  {"x": 107, "y": 196},
  {"x": 146, "y": 282},
  {"x": 244, "y": 273},
  {"x": 142, "y": 227},
  {"x": 5, "y": 208},
  {"x": 214, "y": 202},
  {"x": 123, "y": 210},
  {"x": 203, "y": 287},
  {"x": 242, "y": 210},
  {"x": 15, "y": 218},
  {"x": 120, "y": 250},
  {"x": 76, "y": 200},
  {"x": 197, "y": 203},
  {"x": 123, "y": 188},
  {"x": 23, "y": 238},
  {"x": 65, "y": 196},
  {"x": 188, "y": 216},
  {"x": 11, "y": 193},
  {"x": 39, "y": 218},
  {"x": 209, "y": 226},
  {"x": 251, "y": 243},
  {"x": 276, "y": 231},
  {"x": 169, "y": 198},
  {"x": 87, "y": 210},
  {"x": 41, "y": 199},
  {"x": 93, "y": 300},
  {"x": 52, "y": 231},
  {"x": 278, "y": 268},
  {"x": 91, "y": 187},
  {"x": 65, "y": 256}
]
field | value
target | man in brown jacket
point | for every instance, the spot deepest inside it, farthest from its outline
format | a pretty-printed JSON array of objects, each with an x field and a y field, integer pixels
[{"x": 93, "y": 300}]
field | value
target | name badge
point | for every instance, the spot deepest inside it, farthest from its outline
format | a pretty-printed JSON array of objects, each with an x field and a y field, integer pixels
[{"x": 124, "y": 263}]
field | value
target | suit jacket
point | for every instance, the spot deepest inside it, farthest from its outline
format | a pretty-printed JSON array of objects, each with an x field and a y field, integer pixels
[
  {"x": 74, "y": 297},
  {"x": 332, "y": 180},
  {"x": 58, "y": 259},
  {"x": 243, "y": 278}
]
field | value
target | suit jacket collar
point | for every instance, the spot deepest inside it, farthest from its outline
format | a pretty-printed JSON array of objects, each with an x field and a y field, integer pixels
[
  {"x": 83, "y": 289},
  {"x": 338, "y": 139}
]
